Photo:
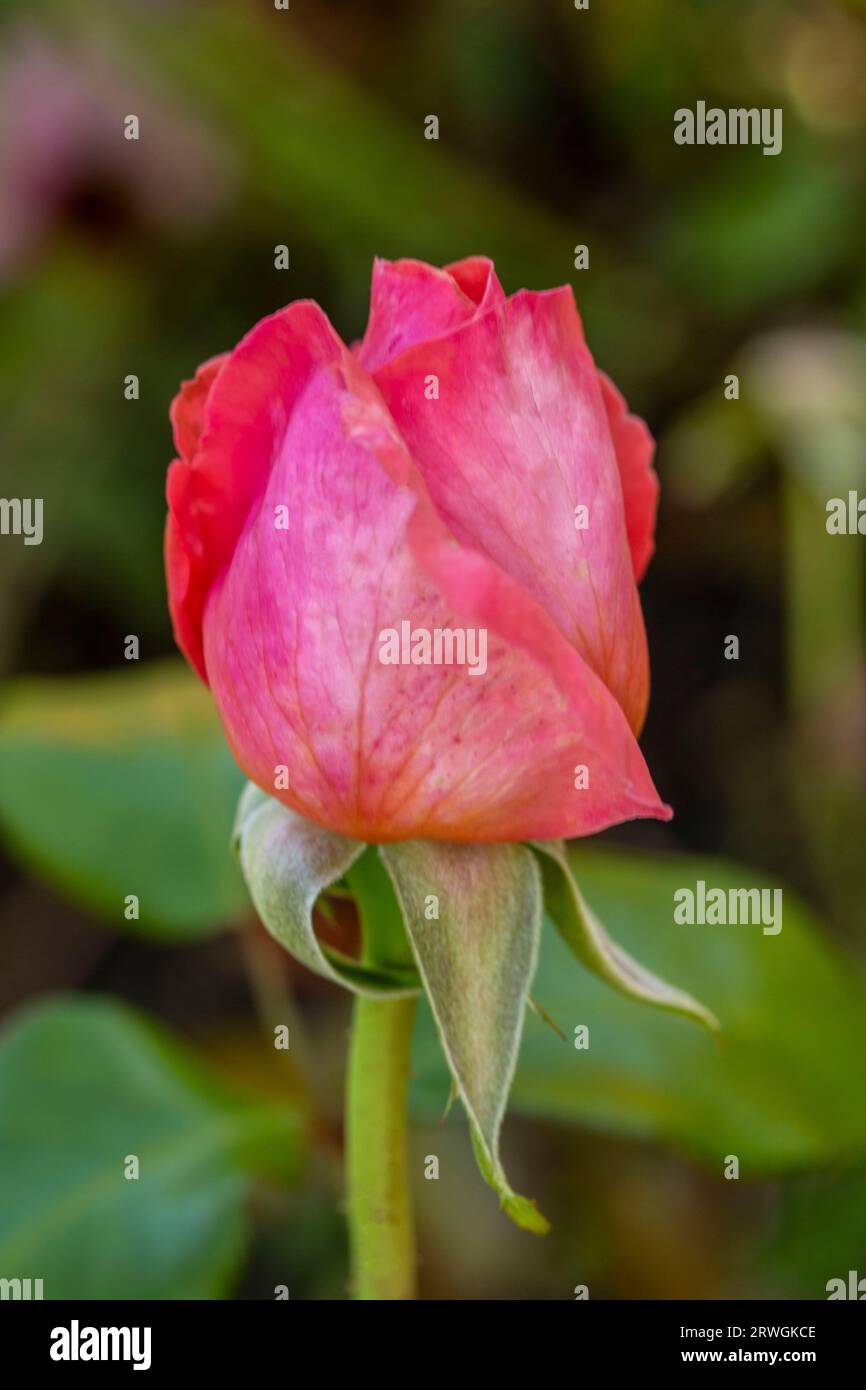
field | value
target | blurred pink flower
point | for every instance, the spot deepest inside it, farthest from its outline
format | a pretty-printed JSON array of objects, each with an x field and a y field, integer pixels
[{"x": 62, "y": 117}]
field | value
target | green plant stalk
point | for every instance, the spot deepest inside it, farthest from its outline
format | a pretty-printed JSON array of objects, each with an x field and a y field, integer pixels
[{"x": 381, "y": 1228}]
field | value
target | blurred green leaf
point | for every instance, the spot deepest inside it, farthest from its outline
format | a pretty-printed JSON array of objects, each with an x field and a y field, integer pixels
[
  {"x": 121, "y": 784},
  {"x": 334, "y": 170},
  {"x": 760, "y": 231},
  {"x": 821, "y": 1235},
  {"x": 82, "y": 452},
  {"x": 84, "y": 1085},
  {"x": 337, "y": 161},
  {"x": 775, "y": 1089}
]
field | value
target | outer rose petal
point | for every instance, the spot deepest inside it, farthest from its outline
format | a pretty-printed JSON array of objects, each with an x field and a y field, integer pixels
[
  {"x": 596, "y": 732},
  {"x": 188, "y": 407},
  {"x": 635, "y": 448},
  {"x": 411, "y": 302},
  {"x": 225, "y": 436},
  {"x": 517, "y": 439},
  {"x": 291, "y": 636}
]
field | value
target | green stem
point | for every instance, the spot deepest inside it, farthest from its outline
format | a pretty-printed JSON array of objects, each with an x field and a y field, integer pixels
[{"x": 381, "y": 1229}]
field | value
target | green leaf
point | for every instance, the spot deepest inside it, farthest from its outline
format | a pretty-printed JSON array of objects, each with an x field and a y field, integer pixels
[
  {"x": 122, "y": 784},
  {"x": 86, "y": 1083},
  {"x": 477, "y": 960},
  {"x": 774, "y": 1087},
  {"x": 287, "y": 862},
  {"x": 581, "y": 930}
]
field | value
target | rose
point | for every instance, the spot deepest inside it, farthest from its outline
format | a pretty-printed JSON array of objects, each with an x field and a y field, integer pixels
[
  {"x": 408, "y": 572},
  {"x": 465, "y": 469}
]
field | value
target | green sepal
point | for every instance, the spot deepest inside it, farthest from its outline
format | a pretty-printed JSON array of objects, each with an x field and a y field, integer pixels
[
  {"x": 476, "y": 959},
  {"x": 585, "y": 936},
  {"x": 287, "y": 862}
]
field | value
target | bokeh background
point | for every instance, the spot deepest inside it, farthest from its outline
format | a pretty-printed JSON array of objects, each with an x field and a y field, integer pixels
[{"x": 152, "y": 1036}]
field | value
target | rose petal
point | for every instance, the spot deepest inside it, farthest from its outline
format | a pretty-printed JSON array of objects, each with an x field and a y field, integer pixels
[
  {"x": 411, "y": 301},
  {"x": 516, "y": 440},
  {"x": 188, "y": 407},
  {"x": 388, "y": 752},
  {"x": 596, "y": 734},
  {"x": 225, "y": 436},
  {"x": 477, "y": 278},
  {"x": 635, "y": 448}
]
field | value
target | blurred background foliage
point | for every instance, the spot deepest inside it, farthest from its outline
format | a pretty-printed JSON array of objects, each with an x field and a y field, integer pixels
[{"x": 153, "y": 1036}]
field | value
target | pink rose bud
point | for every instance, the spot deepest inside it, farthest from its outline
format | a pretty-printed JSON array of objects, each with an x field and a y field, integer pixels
[{"x": 408, "y": 570}]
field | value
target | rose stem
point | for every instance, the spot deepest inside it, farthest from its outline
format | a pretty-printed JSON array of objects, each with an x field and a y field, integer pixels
[{"x": 381, "y": 1229}]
